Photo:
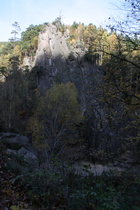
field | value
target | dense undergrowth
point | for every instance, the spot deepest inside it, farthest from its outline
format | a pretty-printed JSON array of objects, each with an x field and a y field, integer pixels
[
  {"x": 68, "y": 191},
  {"x": 58, "y": 187}
]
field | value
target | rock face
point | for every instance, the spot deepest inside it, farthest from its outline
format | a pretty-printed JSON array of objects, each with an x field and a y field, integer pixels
[
  {"x": 19, "y": 148},
  {"x": 59, "y": 62},
  {"x": 29, "y": 61},
  {"x": 62, "y": 64},
  {"x": 2, "y": 78},
  {"x": 51, "y": 45}
]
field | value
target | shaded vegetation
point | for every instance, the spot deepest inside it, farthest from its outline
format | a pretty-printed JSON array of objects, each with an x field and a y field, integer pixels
[
  {"x": 58, "y": 187},
  {"x": 107, "y": 127}
]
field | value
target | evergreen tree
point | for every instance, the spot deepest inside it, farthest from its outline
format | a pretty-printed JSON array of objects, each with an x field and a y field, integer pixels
[{"x": 15, "y": 31}]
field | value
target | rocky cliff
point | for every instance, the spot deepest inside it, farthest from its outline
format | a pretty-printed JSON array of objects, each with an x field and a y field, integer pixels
[{"x": 63, "y": 64}]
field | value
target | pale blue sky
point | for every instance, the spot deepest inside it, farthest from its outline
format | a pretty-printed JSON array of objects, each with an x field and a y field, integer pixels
[{"x": 27, "y": 12}]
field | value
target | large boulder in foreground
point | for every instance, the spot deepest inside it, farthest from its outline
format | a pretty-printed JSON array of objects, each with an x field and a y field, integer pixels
[
  {"x": 14, "y": 139},
  {"x": 20, "y": 150},
  {"x": 29, "y": 159}
]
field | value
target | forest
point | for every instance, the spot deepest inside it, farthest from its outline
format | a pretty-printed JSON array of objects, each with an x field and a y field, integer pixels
[{"x": 70, "y": 115}]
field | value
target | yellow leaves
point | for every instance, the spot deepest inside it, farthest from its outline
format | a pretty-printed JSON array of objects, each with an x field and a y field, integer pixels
[
  {"x": 135, "y": 53},
  {"x": 1, "y": 46},
  {"x": 55, "y": 111},
  {"x": 35, "y": 42},
  {"x": 16, "y": 50},
  {"x": 4, "y": 60},
  {"x": 112, "y": 42},
  {"x": 80, "y": 32},
  {"x": 73, "y": 41},
  {"x": 61, "y": 99}
]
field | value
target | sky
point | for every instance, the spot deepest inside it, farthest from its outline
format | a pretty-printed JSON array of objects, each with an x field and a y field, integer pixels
[{"x": 27, "y": 12}]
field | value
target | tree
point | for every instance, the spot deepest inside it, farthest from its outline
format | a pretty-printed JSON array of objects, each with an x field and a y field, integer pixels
[
  {"x": 15, "y": 31},
  {"x": 55, "y": 114},
  {"x": 122, "y": 79},
  {"x": 97, "y": 41},
  {"x": 130, "y": 24},
  {"x": 89, "y": 34},
  {"x": 129, "y": 48},
  {"x": 16, "y": 50},
  {"x": 128, "y": 28},
  {"x": 29, "y": 39},
  {"x": 80, "y": 32}
]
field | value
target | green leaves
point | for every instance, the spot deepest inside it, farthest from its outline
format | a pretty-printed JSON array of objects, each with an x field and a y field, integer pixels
[
  {"x": 31, "y": 32},
  {"x": 29, "y": 38}
]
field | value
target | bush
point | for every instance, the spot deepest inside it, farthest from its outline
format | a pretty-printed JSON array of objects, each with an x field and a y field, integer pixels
[{"x": 59, "y": 187}]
